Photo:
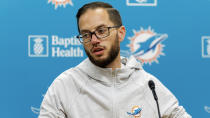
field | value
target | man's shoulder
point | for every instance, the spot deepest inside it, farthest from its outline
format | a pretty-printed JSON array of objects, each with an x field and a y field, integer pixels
[
  {"x": 144, "y": 75},
  {"x": 68, "y": 74},
  {"x": 69, "y": 80},
  {"x": 72, "y": 72}
]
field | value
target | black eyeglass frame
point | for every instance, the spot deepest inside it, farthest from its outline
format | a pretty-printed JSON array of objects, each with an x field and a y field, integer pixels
[{"x": 94, "y": 32}]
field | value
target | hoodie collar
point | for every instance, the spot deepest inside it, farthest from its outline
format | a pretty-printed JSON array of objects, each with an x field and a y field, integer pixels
[{"x": 107, "y": 75}]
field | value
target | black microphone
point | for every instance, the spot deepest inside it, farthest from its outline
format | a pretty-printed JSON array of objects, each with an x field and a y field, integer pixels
[{"x": 152, "y": 87}]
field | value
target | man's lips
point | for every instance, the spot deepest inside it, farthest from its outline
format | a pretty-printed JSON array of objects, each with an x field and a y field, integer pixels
[{"x": 97, "y": 50}]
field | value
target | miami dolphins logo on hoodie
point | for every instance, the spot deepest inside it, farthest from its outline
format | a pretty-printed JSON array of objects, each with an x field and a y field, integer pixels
[{"x": 135, "y": 112}]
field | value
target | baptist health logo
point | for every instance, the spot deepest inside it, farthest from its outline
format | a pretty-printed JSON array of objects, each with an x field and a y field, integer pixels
[
  {"x": 38, "y": 46},
  {"x": 41, "y": 45},
  {"x": 141, "y": 2},
  {"x": 205, "y": 41}
]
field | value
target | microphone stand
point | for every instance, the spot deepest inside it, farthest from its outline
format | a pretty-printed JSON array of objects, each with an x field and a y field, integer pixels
[{"x": 152, "y": 87}]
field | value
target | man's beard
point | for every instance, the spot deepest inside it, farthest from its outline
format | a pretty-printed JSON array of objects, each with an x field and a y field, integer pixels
[{"x": 112, "y": 54}]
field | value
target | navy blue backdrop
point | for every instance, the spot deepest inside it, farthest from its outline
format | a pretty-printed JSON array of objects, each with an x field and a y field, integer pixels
[{"x": 37, "y": 44}]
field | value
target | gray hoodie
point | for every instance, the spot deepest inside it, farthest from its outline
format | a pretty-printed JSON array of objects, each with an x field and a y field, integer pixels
[{"x": 88, "y": 91}]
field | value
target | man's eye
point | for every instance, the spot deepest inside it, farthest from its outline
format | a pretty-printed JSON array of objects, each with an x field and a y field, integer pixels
[
  {"x": 101, "y": 31},
  {"x": 85, "y": 35}
]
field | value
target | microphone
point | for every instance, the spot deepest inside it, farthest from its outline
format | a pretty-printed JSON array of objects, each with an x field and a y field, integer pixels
[{"x": 152, "y": 87}]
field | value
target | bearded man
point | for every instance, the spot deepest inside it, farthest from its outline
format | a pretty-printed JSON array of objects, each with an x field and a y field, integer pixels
[{"x": 106, "y": 85}]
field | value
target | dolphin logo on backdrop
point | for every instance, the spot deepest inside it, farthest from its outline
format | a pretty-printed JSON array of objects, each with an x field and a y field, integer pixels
[
  {"x": 207, "y": 109},
  {"x": 38, "y": 46},
  {"x": 205, "y": 41},
  {"x": 36, "y": 110},
  {"x": 146, "y": 45},
  {"x": 60, "y": 3},
  {"x": 141, "y": 2}
]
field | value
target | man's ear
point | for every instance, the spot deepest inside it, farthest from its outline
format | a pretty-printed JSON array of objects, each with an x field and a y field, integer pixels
[{"x": 121, "y": 33}]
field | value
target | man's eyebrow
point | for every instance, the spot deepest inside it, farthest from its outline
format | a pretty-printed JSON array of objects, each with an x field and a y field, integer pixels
[
  {"x": 85, "y": 30},
  {"x": 102, "y": 25}
]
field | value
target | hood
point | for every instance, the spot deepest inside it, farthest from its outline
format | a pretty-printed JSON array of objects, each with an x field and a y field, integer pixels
[{"x": 107, "y": 75}]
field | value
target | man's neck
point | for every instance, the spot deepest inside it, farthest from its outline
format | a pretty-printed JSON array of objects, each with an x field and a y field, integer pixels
[{"x": 116, "y": 63}]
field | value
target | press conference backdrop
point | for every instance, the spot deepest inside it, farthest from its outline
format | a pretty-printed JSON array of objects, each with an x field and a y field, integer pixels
[{"x": 171, "y": 38}]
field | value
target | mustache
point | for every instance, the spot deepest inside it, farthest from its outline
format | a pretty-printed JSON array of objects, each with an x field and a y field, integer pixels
[{"x": 97, "y": 46}]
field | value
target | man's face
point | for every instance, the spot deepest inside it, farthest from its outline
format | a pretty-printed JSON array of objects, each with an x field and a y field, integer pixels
[{"x": 100, "y": 52}]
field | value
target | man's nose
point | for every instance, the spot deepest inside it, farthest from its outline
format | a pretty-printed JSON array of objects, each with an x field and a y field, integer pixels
[{"x": 94, "y": 39}]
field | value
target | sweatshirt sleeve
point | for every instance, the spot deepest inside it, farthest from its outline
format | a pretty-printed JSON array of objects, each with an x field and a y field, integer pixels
[
  {"x": 169, "y": 105},
  {"x": 175, "y": 111},
  {"x": 51, "y": 106}
]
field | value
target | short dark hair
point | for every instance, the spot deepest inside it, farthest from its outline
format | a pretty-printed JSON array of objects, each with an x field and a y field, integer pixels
[{"x": 114, "y": 14}]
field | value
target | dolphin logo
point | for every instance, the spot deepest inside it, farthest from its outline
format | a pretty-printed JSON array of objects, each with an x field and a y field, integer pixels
[
  {"x": 59, "y": 3},
  {"x": 145, "y": 45},
  {"x": 150, "y": 44},
  {"x": 136, "y": 112},
  {"x": 207, "y": 109},
  {"x": 35, "y": 110}
]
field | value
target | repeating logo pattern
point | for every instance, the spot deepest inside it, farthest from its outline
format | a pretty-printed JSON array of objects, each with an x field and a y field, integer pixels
[
  {"x": 135, "y": 112},
  {"x": 38, "y": 46},
  {"x": 205, "y": 41},
  {"x": 141, "y": 2},
  {"x": 60, "y": 3}
]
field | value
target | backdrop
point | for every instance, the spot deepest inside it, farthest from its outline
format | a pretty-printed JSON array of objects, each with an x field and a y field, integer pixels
[{"x": 171, "y": 38}]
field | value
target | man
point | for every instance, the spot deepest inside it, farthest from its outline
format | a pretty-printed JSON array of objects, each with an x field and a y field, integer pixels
[{"x": 106, "y": 85}]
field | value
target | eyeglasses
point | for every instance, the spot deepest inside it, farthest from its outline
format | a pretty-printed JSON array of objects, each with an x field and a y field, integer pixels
[{"x": 100, "y": 33}]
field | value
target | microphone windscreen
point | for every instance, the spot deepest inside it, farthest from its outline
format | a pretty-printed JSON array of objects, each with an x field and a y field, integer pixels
[{"x": 151, "y": 84}]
